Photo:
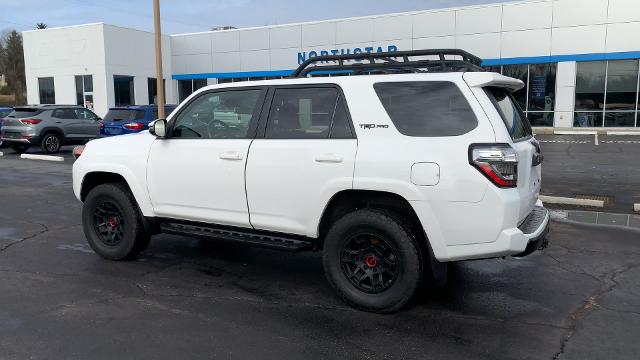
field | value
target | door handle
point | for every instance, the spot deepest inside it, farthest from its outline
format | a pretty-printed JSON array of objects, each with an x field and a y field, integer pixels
[
  {"x": 58, "y": 122},
  {"x": 329, "y": 158},
  {"x": 231, "y": 155}
]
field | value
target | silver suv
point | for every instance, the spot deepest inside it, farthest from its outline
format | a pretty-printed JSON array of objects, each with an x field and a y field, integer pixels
[{"x": 49, "y": 126}]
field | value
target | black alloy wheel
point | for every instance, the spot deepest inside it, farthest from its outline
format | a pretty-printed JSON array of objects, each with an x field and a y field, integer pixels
[
  {"x": 51, "y": 143},
  {"x": 370, "y": 263},
  {"x": 109, "y": 223}
]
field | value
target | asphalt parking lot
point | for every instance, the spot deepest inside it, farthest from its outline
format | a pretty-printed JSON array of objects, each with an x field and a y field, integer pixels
[
  {"x": 575, "y": 166},
  {"x": 188, "y": 298}
]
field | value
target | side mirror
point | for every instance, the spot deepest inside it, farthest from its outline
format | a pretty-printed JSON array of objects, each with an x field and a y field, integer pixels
[{"x": 158, "y": 128}]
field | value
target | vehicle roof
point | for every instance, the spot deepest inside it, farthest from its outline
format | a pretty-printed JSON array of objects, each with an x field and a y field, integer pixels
[
  {"x": 48, "y": 106},
  {"x": 486, "y": 78},
  {"x": 140, "y": 107}
]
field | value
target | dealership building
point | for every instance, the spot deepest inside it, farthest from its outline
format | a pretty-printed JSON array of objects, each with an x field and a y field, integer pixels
[{"x": 579, "y": 59}]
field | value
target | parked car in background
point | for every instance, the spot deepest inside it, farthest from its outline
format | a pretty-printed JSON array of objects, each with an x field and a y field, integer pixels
[
  {"x": 130, "y": 119},
  {"x": 48, "y": 126},
  {"x": 4, "y": 111}
]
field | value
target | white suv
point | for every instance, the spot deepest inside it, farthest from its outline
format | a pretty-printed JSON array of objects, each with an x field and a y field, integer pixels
[{"x": 390, "y": 175}]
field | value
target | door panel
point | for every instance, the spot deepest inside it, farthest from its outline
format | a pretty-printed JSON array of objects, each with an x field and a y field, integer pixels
[
  {"x": 191, "y": 179},
  {"x": 198, "y": 173},
  {"x": 290, "y": 181},
  {"x": 307, "y": 155}
]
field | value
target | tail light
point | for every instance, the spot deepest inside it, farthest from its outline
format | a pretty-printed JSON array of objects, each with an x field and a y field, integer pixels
[
  {"x": 31, "y": 121},
  {"x": 133, "y": 126},
  {"x": 77, "y": 151},
  {"x": 100, "y": 125},
  {"x": 498, "y": 162}
]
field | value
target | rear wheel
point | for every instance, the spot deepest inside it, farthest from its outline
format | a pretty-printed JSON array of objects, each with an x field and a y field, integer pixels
[
  {"x": 112, "y": 223},
  {"x": 20, "y": 148},
  {"x": 373, "y": 261},
  {"x": 51, "y": 143}
]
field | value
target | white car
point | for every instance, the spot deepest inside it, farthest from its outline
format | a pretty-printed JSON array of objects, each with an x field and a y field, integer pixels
[{"x": 391, "y": 176}]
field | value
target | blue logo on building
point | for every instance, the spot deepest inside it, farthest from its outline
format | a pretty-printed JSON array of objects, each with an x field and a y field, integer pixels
[{"x": 302, "y": 56}]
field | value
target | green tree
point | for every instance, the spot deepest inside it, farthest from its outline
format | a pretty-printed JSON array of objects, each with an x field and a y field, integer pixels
[
  {"x": 12, "y": 64},
  {"x": 41, "y": 25}
]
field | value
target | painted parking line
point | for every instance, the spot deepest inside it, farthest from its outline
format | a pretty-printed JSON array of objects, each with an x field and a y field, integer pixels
[
  {"x": 565, "y": 141},
  {"x": 42, "y": 157}
]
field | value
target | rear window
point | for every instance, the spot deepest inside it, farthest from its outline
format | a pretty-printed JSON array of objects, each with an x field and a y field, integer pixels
[
  {"x": 427, "y": 108},
  {"x": 24, "y": 112},
  {"x": 124, "y": 115},
  {"x": 515, "y": 121}
]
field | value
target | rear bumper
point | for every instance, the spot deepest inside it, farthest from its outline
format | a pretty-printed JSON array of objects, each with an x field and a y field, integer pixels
[
  {"x": 535, "y": 227},
  {"x": 519, "y": 241},
  {"x": 9, "y": 141}
]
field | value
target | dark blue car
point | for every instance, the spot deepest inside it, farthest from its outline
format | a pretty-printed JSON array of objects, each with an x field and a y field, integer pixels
[{"x": 130, "y": 119}]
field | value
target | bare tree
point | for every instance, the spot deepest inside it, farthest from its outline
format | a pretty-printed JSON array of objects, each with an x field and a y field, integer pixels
[{"x": 41, "y": 25}]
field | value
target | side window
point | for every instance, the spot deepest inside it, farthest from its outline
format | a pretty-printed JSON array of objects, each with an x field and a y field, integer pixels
[
  {"x": 340, "y": 128},
  {"x": 65, "y": 114},
  {"x": 427, "y": 108},
  {"x": 85, "y": 114},
  {"x": 306, "y": 113},
  {"x": 218, "y": 115}
]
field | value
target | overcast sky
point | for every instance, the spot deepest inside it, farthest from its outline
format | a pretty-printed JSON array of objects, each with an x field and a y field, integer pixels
[{"x": 179, "y": 16}]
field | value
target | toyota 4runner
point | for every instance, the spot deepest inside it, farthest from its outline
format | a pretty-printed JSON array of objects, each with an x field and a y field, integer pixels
[{"x": 417, "y": 159}]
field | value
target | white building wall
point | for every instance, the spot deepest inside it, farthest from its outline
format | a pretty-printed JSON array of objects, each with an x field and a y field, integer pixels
[
  {"x": 62, "y": 53},
  {"x": 95, "y": 49}
]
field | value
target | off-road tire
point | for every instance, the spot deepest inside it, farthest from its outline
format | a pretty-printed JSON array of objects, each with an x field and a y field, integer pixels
[
  {"x": 393, "y": 231},
  {"x": 135, "y": 238}
]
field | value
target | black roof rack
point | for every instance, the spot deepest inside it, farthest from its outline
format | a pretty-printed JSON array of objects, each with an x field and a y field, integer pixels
[{"x": 392, "y": 62}]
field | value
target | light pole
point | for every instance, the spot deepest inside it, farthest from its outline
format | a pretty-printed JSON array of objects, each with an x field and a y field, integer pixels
[{"x": 159, "y": 77}]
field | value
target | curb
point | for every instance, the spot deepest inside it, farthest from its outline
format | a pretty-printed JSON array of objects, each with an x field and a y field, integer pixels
[
  {"x": 571, "y": 201},
  {"x": 41, "y": 157},
  {"x": 574, "y": 132},
  {"x": 623, "y": 132}
]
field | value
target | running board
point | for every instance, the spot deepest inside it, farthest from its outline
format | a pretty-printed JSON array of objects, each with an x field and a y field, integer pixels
[{"x": 246, "y": 236}]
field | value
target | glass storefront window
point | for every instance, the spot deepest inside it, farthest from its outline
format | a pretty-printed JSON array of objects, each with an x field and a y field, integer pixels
[
  {"x": 46, "y": 90},
  {"x": 542, "y": 87},
  {"x": 590, "y": 83},
  {"x": 587, "y": 119},
  {"x": 622, "y": 85},
  {"x": 606, "y": 93},
  {"x": 123, "y": 90},
  {"x": 540, "y": 118},
  {"x": 84, "y": 90}
]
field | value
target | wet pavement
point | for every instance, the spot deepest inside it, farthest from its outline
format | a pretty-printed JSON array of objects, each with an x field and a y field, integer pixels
[
  {"x": 574, "y": 166},
  {"x": 188, "y": 298}
]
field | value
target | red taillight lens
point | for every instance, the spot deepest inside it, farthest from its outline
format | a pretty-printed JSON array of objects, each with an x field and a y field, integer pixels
[
  {"x": 31, "y": 121},
  {"x": 77, "y": 151},
  {"x": 100, "y": 125},
  {"x": 134, "y": 126},
  {"x": 498, "y": 162}
]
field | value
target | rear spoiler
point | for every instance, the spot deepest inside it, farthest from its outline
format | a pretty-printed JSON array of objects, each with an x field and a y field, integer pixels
[{"x": 482, "y": 79}]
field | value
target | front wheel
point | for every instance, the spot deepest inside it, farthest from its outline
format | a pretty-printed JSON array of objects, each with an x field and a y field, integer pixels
[
  {"x": 373, "y": 261},
  {"x": 112, "y": 223}
]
